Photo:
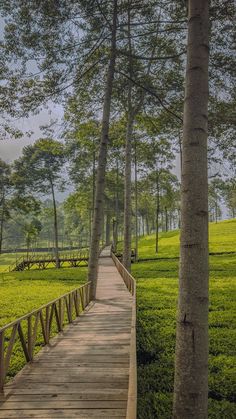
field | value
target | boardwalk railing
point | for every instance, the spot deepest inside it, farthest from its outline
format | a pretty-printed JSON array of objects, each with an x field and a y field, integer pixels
[
  {"x": 42, "y": 261},
  {"x": 62, "y": 310},
  {"x": 132, "y": 393}
]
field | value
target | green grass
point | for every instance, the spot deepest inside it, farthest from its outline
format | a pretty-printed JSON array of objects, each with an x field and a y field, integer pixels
[
  {"x": 22, "y": 292},
  {"x": 222, "y": 237},
  {"x": 157, "y": 292}
]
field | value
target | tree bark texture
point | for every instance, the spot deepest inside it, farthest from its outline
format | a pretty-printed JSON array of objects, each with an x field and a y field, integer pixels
[
  {"x": 2, "y": 220},
  {"x": 108, "y": 228},
  {"x": 157, "y": 210},
  {"x": 55, "y": 227},
  {"x": 127, "y": 200},
  {"x": 136, "y": 199},
  {"x": 128, "y": 161},
  {"x": 191, "y": 362},
  {"x": 101, "y": 167}
]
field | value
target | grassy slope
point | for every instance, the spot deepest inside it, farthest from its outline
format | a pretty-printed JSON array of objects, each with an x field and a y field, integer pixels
[
  {"x": 222, "y": 239},
  {"x": 157, "y": 299}
]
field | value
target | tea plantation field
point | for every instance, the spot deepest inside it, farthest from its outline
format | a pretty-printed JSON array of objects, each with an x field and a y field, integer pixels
[{"x": 157, "y": 289}]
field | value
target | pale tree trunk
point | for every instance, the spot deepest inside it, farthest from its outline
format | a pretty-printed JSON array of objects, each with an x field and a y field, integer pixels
[
  {"x": 180, "y": 152},
  {"x": 147, "y": 224},
  {"x": 157, "y": 210},
  {"x": 136, "y": 199},
  {"x": 132, "y": 112},
  {"x": 108, "y": 228},
  {"x": 116, "y": 221},
  {"x": 55, "y": 223},
  {"x": 191, "y": 360},
  {"x": 127, "y": 200},
  {"x": 2, "y": 221},
  {"x": 101, "y": 167},
  {"x": 128, "y": 160},
  {"x": 166, "y": 219}
]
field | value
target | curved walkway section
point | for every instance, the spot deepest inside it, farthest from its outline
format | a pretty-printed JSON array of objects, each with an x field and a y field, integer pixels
[{"x": 84, "y": 372}]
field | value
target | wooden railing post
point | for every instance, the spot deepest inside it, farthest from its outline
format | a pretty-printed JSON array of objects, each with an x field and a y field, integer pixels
[
  {"x": 47, "y": 324},
  {"x": 2, "y": 366},
  {"x": 30, "y": 343},
  {"x": 60, "y": 308}
]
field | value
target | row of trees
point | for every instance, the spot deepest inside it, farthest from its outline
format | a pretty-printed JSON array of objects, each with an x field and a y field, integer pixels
[{"x": 26, "y": 218}]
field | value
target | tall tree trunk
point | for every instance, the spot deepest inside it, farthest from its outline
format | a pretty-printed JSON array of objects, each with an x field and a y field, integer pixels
[
  {"x": 55, "y": 223},
  {"x": 166, "y": 219},
  {"x": 180, "y": 152},
  {"x": 147, "y": 224},
  {"x": 116, "y": 223},
  {"x": 216, "y": 211},
  {"x": 136, "y": 199},
  {"x": 127, "y": 200},
  {"x": 101, "y": 167},
  {"x": 157, "y": 210},
  {"x": 191, "y": 370},
  {"x": 108, "y": 228},
  {"x": 94, "y": 181},
  {"x": 2, "y": 221},
  {"x": 128, "y": 160}
]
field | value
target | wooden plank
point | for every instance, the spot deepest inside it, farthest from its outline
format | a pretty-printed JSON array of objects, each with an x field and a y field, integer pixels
[
  {"x": 56, "y": 393},
  {"x": 63, "y": 404},
  {"x": 64, "y": 386},
  {"x": 64, "y": 413}
]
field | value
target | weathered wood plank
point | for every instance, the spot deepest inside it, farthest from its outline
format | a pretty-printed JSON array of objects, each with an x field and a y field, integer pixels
[
  {"x": 62, "y": 404},
  {"x": 53, "y": 393},
  {"x": 64, "y": 413}
]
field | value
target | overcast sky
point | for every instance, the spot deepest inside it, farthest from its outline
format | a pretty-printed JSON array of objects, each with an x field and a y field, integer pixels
[{"x": 11, "y": 149}]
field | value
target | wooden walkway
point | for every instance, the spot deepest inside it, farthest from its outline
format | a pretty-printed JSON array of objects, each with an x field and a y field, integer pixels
[{"x": 84, "y": 372}]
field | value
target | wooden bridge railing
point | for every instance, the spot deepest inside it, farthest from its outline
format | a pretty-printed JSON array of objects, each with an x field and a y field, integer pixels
[
  {"x": 132, "y": 393},
  {"x": 49, "y": 257},
  {"x": 62, "y": 310}
]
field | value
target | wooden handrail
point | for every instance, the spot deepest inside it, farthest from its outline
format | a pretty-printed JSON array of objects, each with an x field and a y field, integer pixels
[
  {"x": 74, "y": 301},
  {"x": 48, "y": 257},
  {"x": 130, "y": 283}
]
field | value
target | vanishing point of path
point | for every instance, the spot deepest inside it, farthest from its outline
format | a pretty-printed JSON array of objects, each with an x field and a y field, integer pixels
[{"x": 84, "y": 372}]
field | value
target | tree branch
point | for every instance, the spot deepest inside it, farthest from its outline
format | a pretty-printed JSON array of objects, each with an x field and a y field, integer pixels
[{"x": 152, "y": 93}]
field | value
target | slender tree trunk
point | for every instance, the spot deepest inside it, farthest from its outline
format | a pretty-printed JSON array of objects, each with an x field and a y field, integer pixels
[
  {"x": 55, "y": 226},
  {"x": 147, "y": 225},
  {"x": 166, "y": 219},
  {"x": 116, "y": 223},
  {"x": 127, "y": 200},
  {"x": 180, "y": 152},
  {"x": 101, "y": 168},
  {"x": 2, "y": 222},
  {"x": 136, "y": 199},
  {"x": 94, "y": 180},
  {"x": 132, "y": 112},
  {"x": 191, "y": 361},
  {"x": 108, "y": 228},
  {"x": 27, "y": 247},
  {"x": 157, "y": 210},
  {"x": 128, "y": 161}
]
